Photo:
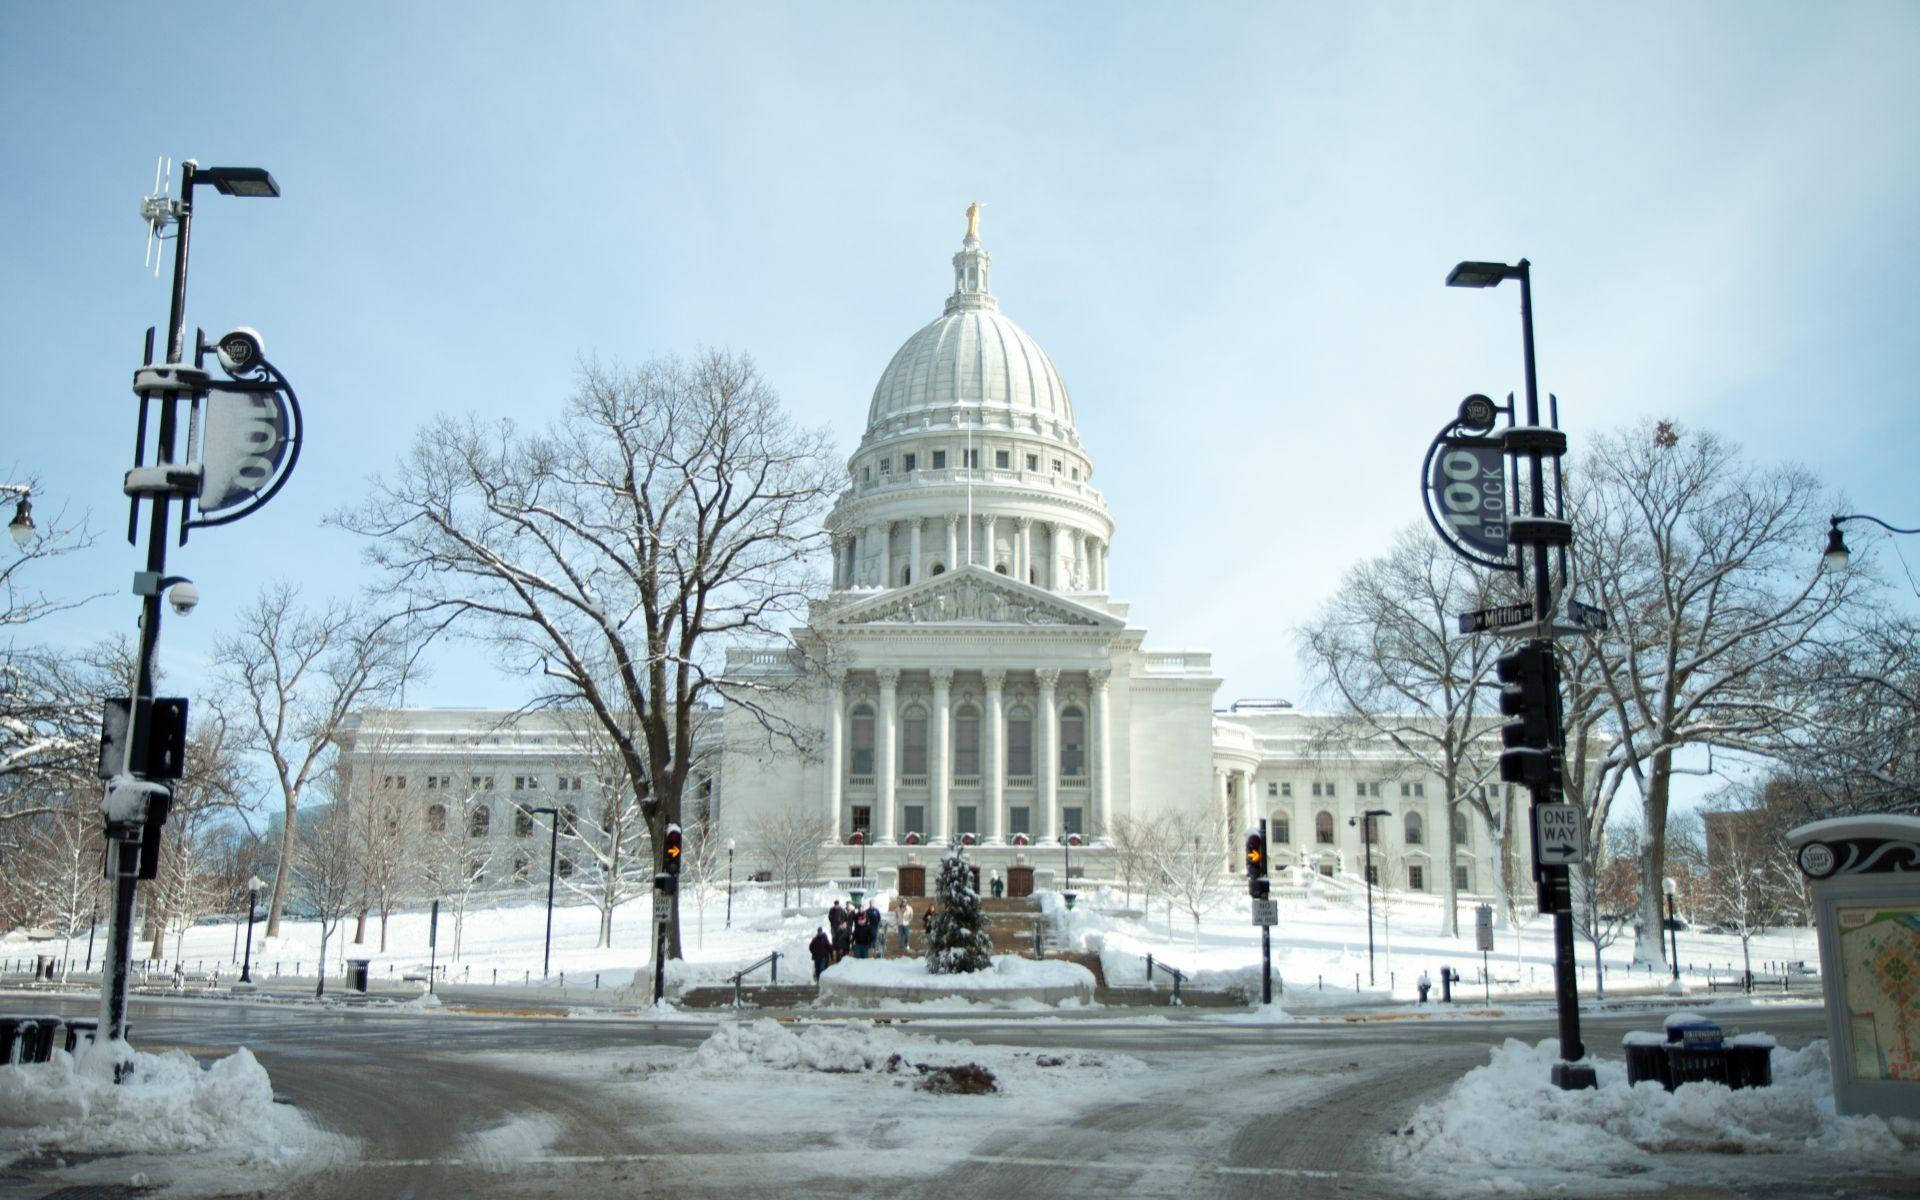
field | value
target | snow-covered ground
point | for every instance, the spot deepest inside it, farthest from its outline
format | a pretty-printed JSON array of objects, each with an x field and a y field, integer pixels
[
  {"x": 1319, "y": 946},
  {"x": 1504, "y": 1129}
]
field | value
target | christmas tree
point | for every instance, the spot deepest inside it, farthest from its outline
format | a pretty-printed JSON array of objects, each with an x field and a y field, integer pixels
[{"x": 957, "y": 941}]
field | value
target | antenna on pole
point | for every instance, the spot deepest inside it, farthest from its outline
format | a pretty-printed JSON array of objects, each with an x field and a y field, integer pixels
[{"x": 159, "y": 210}]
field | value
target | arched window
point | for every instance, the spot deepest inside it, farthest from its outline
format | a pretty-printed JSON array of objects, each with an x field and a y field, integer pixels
[
  {"x": 436, "y": 818},
  {"x": 861, "y": 762},
  {"x": 937, "y": 569},
  {"x": 906, "y": 575},
  {"x": 522, "y": 822},
  {"x": 1033, "y": 575},
  {"x": 478, "y": 821},
  {"x": 1459, "y": 828},
  {"x": 966, "y": 740},
  {"x": 1073, "y": 742},
  {"x": 1000, "y": 568},
  {"x": 1414, "y": 830},
  {"x": 913, "y": 741},
  {"x": 1019, "y": 741},
  {"x": 1323, "y": 828}
]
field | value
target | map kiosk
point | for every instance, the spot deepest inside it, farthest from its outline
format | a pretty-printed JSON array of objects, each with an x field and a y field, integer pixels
[{"x": 1866, "y": 902}]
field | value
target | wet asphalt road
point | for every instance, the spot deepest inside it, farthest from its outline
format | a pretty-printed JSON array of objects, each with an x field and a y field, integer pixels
[{"x": 1300, "y": 1109}]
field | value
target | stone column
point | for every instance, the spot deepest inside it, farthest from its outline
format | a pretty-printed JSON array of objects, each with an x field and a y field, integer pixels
[
  {"x": 1023, "y": 559},
  {"x": 1079, "y": 560},
  {"x": 885, "y": 773},
  {"x": 953, "y": 542},
  {"x": 1047, "y": 756},
  {"x": 884, "y": 531},
  {"x": 1223, "y": 809},
  {"x": 1052, "y": 581},
  {"x": 993, "y": 772},
  {"x": 941, "y": 827},
  {"x": 1102, "y": 757},
  {"x": 914, "y": 562},
  {"x": 992, "y": 551},
  {"x": 836, "y": 745},
  {"x": 1097, "y": 564}
]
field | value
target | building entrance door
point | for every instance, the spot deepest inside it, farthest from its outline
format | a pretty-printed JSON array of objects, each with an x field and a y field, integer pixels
[
  {"x": 913, "y": 882},
  {"x": 1019, "y": 881}
]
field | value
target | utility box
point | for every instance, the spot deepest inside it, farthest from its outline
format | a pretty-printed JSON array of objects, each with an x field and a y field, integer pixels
[
  {"x": 1866, "y": 902},
  {"x": 357, "y": 974}
]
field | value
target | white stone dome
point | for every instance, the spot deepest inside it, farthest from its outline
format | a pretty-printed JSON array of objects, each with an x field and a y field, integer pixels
[{"x": 971, "y": 367}]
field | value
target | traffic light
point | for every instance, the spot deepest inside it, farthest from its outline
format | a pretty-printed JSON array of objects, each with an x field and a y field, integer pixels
[
  {"x": 673, "y": 850},
  {"x": 159, "y": 807},
  {"x": 1256, "y": 864},
  {"x": 1530, "y": 690}
]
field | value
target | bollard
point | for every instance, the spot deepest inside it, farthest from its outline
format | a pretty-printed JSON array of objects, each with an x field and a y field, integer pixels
[
  {"x": 1149, "y": 968},
  {"x": 563, "y": 981},
  {"x": 1356, "y": 983},
  {"x": 526, "y": 977},
  {"x": 496, "y": 977},
  {"x": 1320, "y": 982},
  {"x": 596, "y": 981}
]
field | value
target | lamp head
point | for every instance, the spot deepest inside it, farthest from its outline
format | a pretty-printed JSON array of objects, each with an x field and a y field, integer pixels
[
  {"x": 1479, "y": 274},
  {"x": 1668, "y": 886},
  {"x": 256, "y": 884},
  {"x": 21, "y": 527},
  {"x": 1835, "y": 558},
  {"x": 239, "y": 181}
]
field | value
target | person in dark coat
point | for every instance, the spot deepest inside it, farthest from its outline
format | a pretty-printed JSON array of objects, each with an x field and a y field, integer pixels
[
  {"x": 836, "y": 917},
  {"x": 822, "y": 949},
  {"x": 876, "y": 931},
  {"x": 862, "y": 935},
  {"x": 842, "y": 939}
]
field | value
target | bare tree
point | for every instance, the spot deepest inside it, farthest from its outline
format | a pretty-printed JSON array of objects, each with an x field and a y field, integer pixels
[
  {"x": 456, "y": 851},
  {"x": 1857, "y": 750},
  {"x": 296, "y": 673},
  {"x": 1702, "y": 562},
  {"x": 1384, "y": 649},
  {"x": 212, "y": 789},
  {"x": 386, "y": 825},
  {"x": 56, "y": 878},
  {"x": 327, "y": 874},
  {"x": 1187, "y": 862},
  {"x": 1604, "y": 890},
  {"x": 1134, "y": 854},
  {"x": 1742, "y": 890},
  {"x": 790, "y": 843},
  {"x": 703, "y": 862},
  {"x": 603, "y": 831},
  {"x": 671, "y": 511}
]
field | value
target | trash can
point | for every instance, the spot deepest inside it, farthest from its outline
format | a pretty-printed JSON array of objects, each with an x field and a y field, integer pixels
[
  {"x": 1750, "y": 1061},
  {"x": 81, "y": 1031},
  {"x": 1696, "y": 1050},
  {"x": 357, "y": 974},
  {"x": 1646, "y": 1055},
  {"x": 9, "y": 1037},
  {"x": 43, "y": 966}
]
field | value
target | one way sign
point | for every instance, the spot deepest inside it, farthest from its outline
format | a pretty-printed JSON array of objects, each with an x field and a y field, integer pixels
[{"x": 1559, "y": 835}]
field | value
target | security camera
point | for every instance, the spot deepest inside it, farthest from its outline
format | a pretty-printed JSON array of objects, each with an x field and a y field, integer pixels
[
  {"x": 184, "y": 597},
  {"x": 240, "y": 350}
]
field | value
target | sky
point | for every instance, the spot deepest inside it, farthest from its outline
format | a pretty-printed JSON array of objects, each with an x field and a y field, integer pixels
[{"x": 1229, "y": 225}]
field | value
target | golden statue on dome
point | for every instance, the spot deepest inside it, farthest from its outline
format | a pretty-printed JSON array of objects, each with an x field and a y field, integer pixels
[{"x": 973, "y": 220}]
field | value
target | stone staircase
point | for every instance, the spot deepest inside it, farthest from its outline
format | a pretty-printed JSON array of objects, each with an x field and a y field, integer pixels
[{"x": 763, "y": 996}]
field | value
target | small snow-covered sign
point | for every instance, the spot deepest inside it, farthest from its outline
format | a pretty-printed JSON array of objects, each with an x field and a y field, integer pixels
[
  {"x": 1266, "y": 912},
  {"x": 1559, "y": 835},
  {"x": 1483, "y": 928}
]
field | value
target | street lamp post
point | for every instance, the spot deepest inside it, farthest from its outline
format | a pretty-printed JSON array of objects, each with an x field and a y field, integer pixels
[
  {"x": 136, "y": 803},
  {"x": 860, "y": 837},
  {"x": 553, "y": 858},
  {"x": 1066, "y": 843},
  {"x": 20, "y": 529},
  {"x": 1836, "y": 555},
  {"x": 92, "y": 925},
  {"x": 1365, "y": 821},
  {"x": 1671, "y": 889},
  {"x": 1539, "y": 533},
  {"x": 729, "y": 883},
  {"x": 253, "y": 899}
]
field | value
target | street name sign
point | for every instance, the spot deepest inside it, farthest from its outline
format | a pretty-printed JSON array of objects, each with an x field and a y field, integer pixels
[
  {"x": 1500, "y": 616},
  {"x": 1266, "y": 912},
  {"x": 1483, "y": 928},
  {"x": 1586, "y": 616},
  {"x": 1560, "y": 837}
]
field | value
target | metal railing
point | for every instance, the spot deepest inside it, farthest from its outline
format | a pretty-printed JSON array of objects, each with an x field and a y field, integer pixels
[
  {"x": 772, "y": 961},
  {"x": 1179, "y": 976}
]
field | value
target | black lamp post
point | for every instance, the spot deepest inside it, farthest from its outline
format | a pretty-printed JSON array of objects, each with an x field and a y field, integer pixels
[
  {"x": 1067, "y": 841},
  {"x": 177, "y": 379},
  {"x": 253, "y": 899},
  {"x": 1365, "y": 821},
  {"x": 1672, "y": 889},
  {"x": 860, "y": 839},
  {"x": 21, "y": 527},
  {"x": 1536, "y": 534},
  {"x": 94, "y": 924},
  {"x": 729, "y": 883},
  {"x": 1836, "y": 556},
  {"x": 553, "y": 851}
]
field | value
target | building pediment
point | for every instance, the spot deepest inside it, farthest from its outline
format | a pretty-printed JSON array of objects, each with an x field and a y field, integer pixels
[{"x": 974, "y": 596}]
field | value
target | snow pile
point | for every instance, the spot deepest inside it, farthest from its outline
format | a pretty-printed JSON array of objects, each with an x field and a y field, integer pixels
[
  {"x": 1508, "y": 1115},
  {"x": 168, "y": 1104},
  {"x": 862, "y": 1047}
]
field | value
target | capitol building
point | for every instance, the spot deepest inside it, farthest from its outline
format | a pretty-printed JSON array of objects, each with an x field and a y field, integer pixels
[{"x": 973, "y": 679}]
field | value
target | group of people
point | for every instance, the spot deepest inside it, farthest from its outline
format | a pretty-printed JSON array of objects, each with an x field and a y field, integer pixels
[{"x": 862, "y": 932}]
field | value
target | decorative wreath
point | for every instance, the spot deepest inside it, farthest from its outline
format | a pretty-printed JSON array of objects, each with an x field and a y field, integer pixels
[
  {"x": 859, "y": 838},
  {"x": 1019, "y": 839},
  {"x": 1073, "y": 839},
  {"x": 966, "y": 839},
  {"x": 912, "y": 839}
]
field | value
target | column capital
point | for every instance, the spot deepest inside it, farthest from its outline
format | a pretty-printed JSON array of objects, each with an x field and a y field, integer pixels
[
  {"x": 994, "y": 679},
  {"x": 1047, "y": 677},
  {"x": 1026, "y": 523},
  {"x": 953, "y": 519},
  {"x": 889, "y": 677},
  {"x": 942, "y": 676},
  {"x": 1099, "y": 678},
  {"x": 836, "y": 678}
]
